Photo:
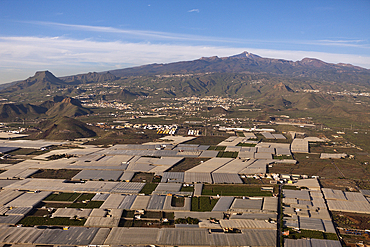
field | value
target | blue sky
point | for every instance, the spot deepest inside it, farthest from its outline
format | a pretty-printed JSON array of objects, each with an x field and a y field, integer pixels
[{"x": 70, "y": 37}]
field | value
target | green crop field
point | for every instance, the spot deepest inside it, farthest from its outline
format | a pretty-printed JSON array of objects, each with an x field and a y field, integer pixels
[
  {"x": 85, "y": 196},
  {"x": 187, "y": 220},
  {"x": 187, "y": 189},
  {"x": 207, "y": 140},
  {"x": 282, "y": 157},
  {"x": 246, "y": 144},
  {"x": 217, "y": 148},
  {"x": 148, "y": 188},
  {"x": 241, "y": 134},
  {"x": 234, "y": 190},
  {"x": 57, "y": 221},
  {"x": 202, "y": 204},
  {"x": 68, "y": 197},
  {"x": 223, "y": 154}
]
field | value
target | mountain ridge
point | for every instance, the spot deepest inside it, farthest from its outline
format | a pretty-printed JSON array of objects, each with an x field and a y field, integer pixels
[
  {"x": 59, "y": 106},
  {"x": 240, "y": 63},
  {"x": 246, "y": 62},
  {"x": 244, "y": 75}
]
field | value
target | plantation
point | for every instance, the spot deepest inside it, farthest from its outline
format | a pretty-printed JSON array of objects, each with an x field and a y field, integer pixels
[
  {"x": 68, "y": 197},
  {"x": 234, "y": 190},
  {"x": 58, "y": 221},
  {"x": 203, "y": 204},
  {"x": 148, "y": 188}
]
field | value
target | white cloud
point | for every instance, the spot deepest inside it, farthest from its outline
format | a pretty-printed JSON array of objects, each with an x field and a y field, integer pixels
[
  {"x": 22, "y": 56},
  {"x": 165, "y": 36},
  {"x": 342, "y": 43},
  {"x": 133, "y": 33},
  {"x": 194, "y": 10}
]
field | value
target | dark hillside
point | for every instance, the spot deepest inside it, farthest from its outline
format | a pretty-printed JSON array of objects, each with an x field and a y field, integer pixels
[
  {"x": 64, "y": 128},
  {"x": 14, "y": 111},
  {"x": 67, "y": 107}
]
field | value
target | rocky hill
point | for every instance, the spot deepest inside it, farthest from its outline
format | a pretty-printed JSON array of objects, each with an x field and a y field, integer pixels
[
  {"x": 20, "y": 111},
  {"x": 59, "y": 106},
  {"x": 42, "y": 80},
  {"x": 67, "y": 107},
  {"x": 64, "y": 128}
]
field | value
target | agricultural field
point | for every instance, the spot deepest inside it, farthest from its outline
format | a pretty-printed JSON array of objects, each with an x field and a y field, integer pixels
[
  {"x": 53, "y": 205},
  {"x": 149, "y": 188},
  {"x": 26, "y": 151},
  {"x": 223, "y": 154},
  {"x": 38, "y": 212},
  {"x": 351, "y": 220},
  {"x": 206, "y": 140},
  {"x": 143, "y": 177},
  {"x": 125, "y": 137},
  {"x": 177, "y": 201},
  {"x": 128, "y": 214},
  {"x": 308, "y": 164},
  {"x": 145, "y": 223},
  {"x": 187, "y": 220},
  {"x": 247, "y": 180},
  {"x": 55, "y": 174},
  {"x": 186, "y": 164},
  {"x": 10, "y": 161},
  {"x": 310, "y": 234},
  {"x": 203, "y": 204},
  {"x": 234, "y": 190},
  {"x": 57, "y": 221},
  {"x": 246, "y": 145},
  {"x": 217, "y": 148},
  {"x": 187, "y": 189},
  {"x": 85, "y": 197},
  {"x": 60, "y": 197}
]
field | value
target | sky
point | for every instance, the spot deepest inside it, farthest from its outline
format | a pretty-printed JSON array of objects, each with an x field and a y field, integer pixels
[{"x": 71, "y": 37}]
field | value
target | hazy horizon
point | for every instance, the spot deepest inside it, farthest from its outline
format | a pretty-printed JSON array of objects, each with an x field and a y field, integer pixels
[{"x": 59, "y": 37}]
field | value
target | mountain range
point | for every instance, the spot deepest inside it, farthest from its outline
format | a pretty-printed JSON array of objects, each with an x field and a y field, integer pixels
[
  {"x": 249, "y": 63},
  {"x": 245, "y": 63},
  {"x": 274, "y": 84}
]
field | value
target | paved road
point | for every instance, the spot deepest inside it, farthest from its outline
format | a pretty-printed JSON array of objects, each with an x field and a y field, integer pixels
[{"x": 279, "y": 226}]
